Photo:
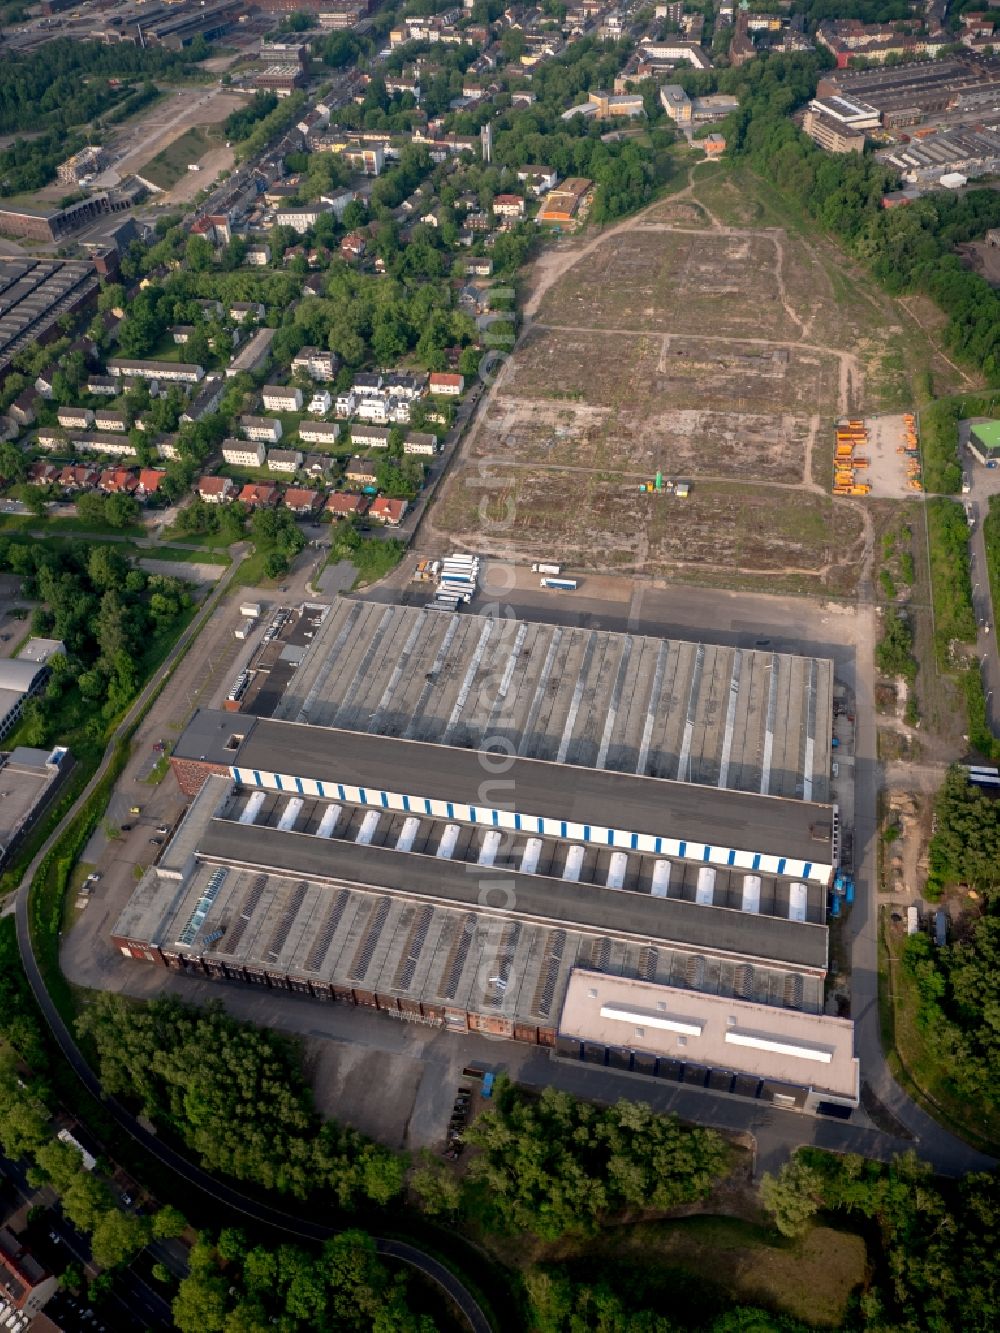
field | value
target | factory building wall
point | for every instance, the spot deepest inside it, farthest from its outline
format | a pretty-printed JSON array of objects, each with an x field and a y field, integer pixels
[{"x": 401, "y": 1007}]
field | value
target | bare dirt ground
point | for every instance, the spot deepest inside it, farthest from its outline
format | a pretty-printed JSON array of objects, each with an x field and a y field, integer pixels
[
  {"x": 167, "y": 121},
  {"x": 684, "y": 341},
  {"x": 212, "y": 165}
]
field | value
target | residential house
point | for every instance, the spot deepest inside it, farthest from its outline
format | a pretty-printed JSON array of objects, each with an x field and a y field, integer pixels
[
  {"x": 22, "y": 409},
  {"x": 361, "y": 470},
  {"x": 243, "y": 453},
  {"x": 375, "y": 410},
  {"x": 284, "y": 460},
  {"x": 314, "y": 284},
  {"x": 317, "y": 466},
  {"x": 302, "y": 501},
  {"x": 44, "y": 474},
  {"x": 404, "y": 386},
  {"x": 75, "y": 418},
  {"x": 103, "y": 442},
  {"x": 342, "y": 504},
  {"x": 74, "y": 476},
  {"x": 117, "y": 481},
  {"x": 421, "y": 443},
  {"x": 253, "y": 355},
  {"x": 259, "y": 256},
  {"x": 175, "y": 372},
  {"x": 206, "y": 400},
  {"x": 367, "y": 385},
  {"x": 150, "y": 481},
  {"x": 282, "y": 398},
  {"x": 508, "y": 206},
  {"x": 267, "y": 429},
  {"x": 102, "y": 385},
  {"x": 241, "y": 311},
  {"x": 105, "y": 420},
  {"x": 345, "y": 404},
  {"x": 259, "y": 495},
  {"x": 479, "y": 266},
  {"x": 301, "y": 219},
  {"x": 215, "y": 490},
  {"x": 319, "y": 432},
  {"x": 26, "y": 1285},
  {"x": 387, "y": 511},
  {"x": 43, "y": 382},
  {"x": 354, "y": 245},
  {"x": 320, "y": 403},
  {"x": 446, "y": 384},
  {"x": 210, "y": 308},
  {"x": 316, "y": 363},
  {"x": 370, "y": 437},
  {"x": 168, "y": 450},
  {"x": 181, "y": 333}
]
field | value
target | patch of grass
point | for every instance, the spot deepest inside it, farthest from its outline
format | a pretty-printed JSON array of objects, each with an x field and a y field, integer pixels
[
  {"x": 951, "y": 584},
  {"x": 64, "y": 527},
  {"x": 703, "y": 1265},
  {"x": 912, "y": 1064},
  {"x": 168, "y": 166}
]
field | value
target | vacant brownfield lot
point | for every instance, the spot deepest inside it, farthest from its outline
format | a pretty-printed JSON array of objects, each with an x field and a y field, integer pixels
[{"x": 705, "y": 340}]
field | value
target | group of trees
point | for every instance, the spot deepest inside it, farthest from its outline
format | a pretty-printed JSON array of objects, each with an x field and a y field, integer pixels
[
  {"x": 907, "y": 249},
  {"x": 67, "y": 83},
  {"x": 937, "y": 1245},
  {"x": 955, "y": 984},
  {"x": 894, "y": 654},
  {"x": 236, "y": 1096},
  {"x": 948, "y": 532},
  {"x": 560, "y": 1303},
  {"x": 342, "y": 1289},
  {"x": 553, "y": 1165},
  {"x": 28, "y": 1131},
  {"x": 109, "y": 613}
]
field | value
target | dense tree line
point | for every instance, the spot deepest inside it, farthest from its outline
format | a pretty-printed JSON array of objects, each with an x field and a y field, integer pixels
[
  {"x": 948, "y": 532},
  {"x": 907, "y": 249},
  {"x": 626, "y": 173},
  {"x": 241, "y": 123},
  {"x": 956, "y": 984},
  {"x": 894, "y": 653},
  {"x": 28, "y": 1132},
  {"x": 236, "y": 1096},
  {"x": 552, "y": 1164},
  {"x": 559, "y": 1303},
  {"x": 938, "y": 1244},
  {"x": 65, "y": 83},
  {"x": 344, "y": 1288},
  {"x": 108, "y": 612}
]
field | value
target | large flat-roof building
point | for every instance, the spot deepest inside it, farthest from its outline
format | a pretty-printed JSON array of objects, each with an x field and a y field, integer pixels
[
  {"x": 450, "y": 818},
  {"x": 34, "y": 295}
]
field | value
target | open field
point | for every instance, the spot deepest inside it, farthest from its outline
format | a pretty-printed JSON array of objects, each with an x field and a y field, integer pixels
[
  {"x": 165, "y": 121},
  {"x": 170, "y": 164},
  {"x": 713, "y": 339},
  {"x": 698, "y": 1266}
]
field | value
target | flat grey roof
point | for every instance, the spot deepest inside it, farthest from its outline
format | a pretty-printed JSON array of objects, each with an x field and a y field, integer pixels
[
  {"x": 750, "y": 719},
  {"x": 533, "y": 896},
  {"x": 207, "y": 735},
  {"x": 656, "y": 806}
]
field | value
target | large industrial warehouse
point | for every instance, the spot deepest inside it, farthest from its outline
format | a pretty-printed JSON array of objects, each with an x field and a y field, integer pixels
[{"x": 565, "y": 888}]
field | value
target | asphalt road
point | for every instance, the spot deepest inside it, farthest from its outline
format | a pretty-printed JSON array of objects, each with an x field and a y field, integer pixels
[
  {"x": 174, "y": 1161},
  {"x": 132, "y": 1303}
]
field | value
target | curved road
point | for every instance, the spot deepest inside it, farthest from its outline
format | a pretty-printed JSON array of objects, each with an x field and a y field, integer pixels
[{"x": 180, "y": 1165}]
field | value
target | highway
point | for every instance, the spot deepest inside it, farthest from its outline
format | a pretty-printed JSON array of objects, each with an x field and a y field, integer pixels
[{"x": 275, "y": 1218}]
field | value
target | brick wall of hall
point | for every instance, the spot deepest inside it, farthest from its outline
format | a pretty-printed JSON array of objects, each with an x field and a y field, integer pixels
[{"x": 191, "y": 773}]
